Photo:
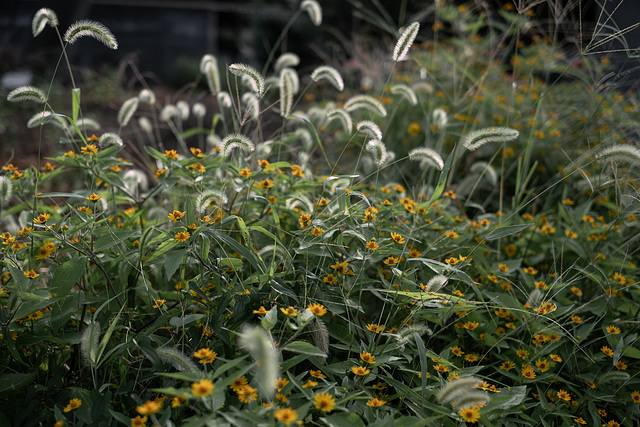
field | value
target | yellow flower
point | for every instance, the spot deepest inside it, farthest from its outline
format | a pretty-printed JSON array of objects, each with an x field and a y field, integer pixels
[
  {"x": 139, "y": 421},
  {"x": 530, "y": 270},
  {"x": 202, "y": 388},
  {"x": 621, "y": 365},
  {"x": 245, "y": 172},
  {"x": 286, "y": 415},
  {"x": 31, "y": 274},
  {"x": 372, "y": 245},
  {"x": 177, "y": 401},
  {"x": 317, "y": 309},
  {"x": 198, "y": 167},
  {"x": 205, "y": 355},
  {"x": 635, "y": 396},
  {"x": 470, "y": 326},
  {"x": 376, "y": 403},
  {"x": 441, "y": 368},
  {"x": 289, "y": 311},
  {"x": 317, "y": 374},
  {"x": 324, "y": 401},
  {"x": 397, "y": 238},
  {"x": 542, "y": 365},
  {"x": 264, "y": 163},
  {"x": 528, "y": 372},
  {"x": 580, "y": 420},
  {"x": 317, "y": 231},
  {"x": 613, "y": 330},
  {"x": 89, "y": 149},
  {"x": 360, "y": 371},
  {"x": 42, "y": 218},
  {"x": 507, "y": 366},
  {"x": 247, "y": 394},
  {"x": 159, "y": 303},
  {"x": 149, "y": 407},
  {"x": 373, "y": 327},
  {"x": 94, "y": 197},
  {"x": 564, "y": 395},
  {"x": 414, "y": 129},
  {"x": 73, "y": 404},
  {"x": 392, "y": 260},
  {"x": 451, "y": 234},
  {"x": 265, "y": 183},
  {"x": 555, "y": 358},
  {"x": 59, "y": 423},
  {"x": 503, "y": 267},
  {"x": 176, "y": 215},
  {"x": 261, "y": 310},
  {"x": 171, "y": 154},
  {"x": 310, "y": 384},
  {"x": 182, "y": 236},
  {"x": 237, "y": 384},
  {"x": 510, "y": 249},
  {"x": 159, "y": 173},
  {"x": 196, "y": 152},
  {"x": 470, "y": 414},
  {"x": 367, "y": 358}
]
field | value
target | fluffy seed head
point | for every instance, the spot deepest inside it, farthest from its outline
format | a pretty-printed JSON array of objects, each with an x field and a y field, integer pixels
[
  {"x": 6, "y": 189},
  {"x": 87, "y": 123},
  {"x": 27, "y": 93},
  {"x": 213, "y": 77},
  {"x": 367, "y": 102},
  {"x": 207, "y": 59},
  {"x": 177, "y": 359},
  {"x": 43, "y": 17},
  {"x": 330, "y": 74},
  {"x": 478, "y": 138},
  {"x": 312, "y": 7},
  {"x": 199, "y": 110},
  {"x": 208, "y": 197},
  {"x": 47, "y": 117},
  {"x": 343, "y": 117},
  {"x": 437, "y": 282},
  {"x": 184, "y": 109},
  {"x": 286, "y": 60},
  {"x": 169, "y": 112},
  {"x": 378, "y": 151},
  {"x": 224, "y": 99},
  {"x": 127, "y": 110},
  {"x": 235, "y": 140},
  {"x": 109, "y": 138},
  {"x": 625, "y": 153},
  {"x": 286, "y": 92},
  {"x": 147, "y": 96},
  {"x": 406, "y": 92},
  {"x": 455, "y": 389},
  {"x": 405, "y": 41},
  {"x": 369, "y": 128},
  {"x": 92, "y": 29},
  {"x": 89, "y": 343},
  {"x": 427, "y": 156},
  {"x": 257, "y": 342},
  {"x": 254, "y": 77}
]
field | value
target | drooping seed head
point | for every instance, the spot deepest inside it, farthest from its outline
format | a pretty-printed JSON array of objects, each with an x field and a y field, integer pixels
[{"x": 93, "y": 29}]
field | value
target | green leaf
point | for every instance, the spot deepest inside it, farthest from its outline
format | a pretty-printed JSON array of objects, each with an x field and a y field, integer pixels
[
  {"x": 67, "y": 275},
  {"x": 269, "y": 320},
  {"x": 75, "y": 103},
  {"x": 505, "y": 231},
  {"x": 442, "y": 181},
  {"x": 180, "y": 322},
  {"x": 174, "y": 261},
  {"x": 304, "y": 348},
  {"x": 10, "y": 383},
  {"x": 342, "y": 419}
]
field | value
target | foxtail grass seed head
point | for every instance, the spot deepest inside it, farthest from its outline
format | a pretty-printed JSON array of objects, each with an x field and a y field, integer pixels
[
  {"x": 257, "y": 342},
  {"x": 405, "y": 41},
  {"x": 145, "y": 125},
  {"x": 294, "y": 78},
  {"x": 286, "y": 93},
  {"x": 224, "y": 99},
  {"x": 184, "y": 110},
  {"x": 212, "y": 74},
  {"x": 41, "y": 19},
  {"x": 89, "y": 343},
  {"x": 312, "y": 7},
  {"x": 127, "y": 110},
  {"x": 406, "y": 93},
  {"x": 625, "y": 153},
  {"x": 88, "y": 124},
  {"x": 378, "y": 151},
  {"x": 487, "y": 170},
  {"x": 208, "y": 197},
  {"x": 276, "y": 252},
  {"x": 618, "y": 377},
  {"x": 205, "y": 60},
  {"x": 369, "y": 128},
  {"x": 236, "y": 140},
  {"x": 135, "y": 181},
  {"x": 147, "y": 96},
  {"x": 320, "y": 334},
  {"x": 254, "y": 77},
  {"x": 439, "y": 117},
  {"x": 427, "y": 156},
  {"x": 27, "y": 93},
  {"x": 478, "y": 138},
  {"x": 458, "y": 388},
  {"x": 199, "y": 110},
  {"x": 252, "y": 104},
  {"x": 471, "y": 398},
  {"x": 366, "y": 102},
  {"x": 108, "y": 139},
  {"x": 286, "y": 60},
  {"x": 328, "y": 73},
  {"x": 178, "y": 360},
  {"x": 6, "y": 189},
  {"x": 45, "y": 117},
  {"x": 169, "y": 112},
  {"x": 436, "y": 283},
  {"x": 91, "y": 29},
  {"x": 343, "y": 117}
]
